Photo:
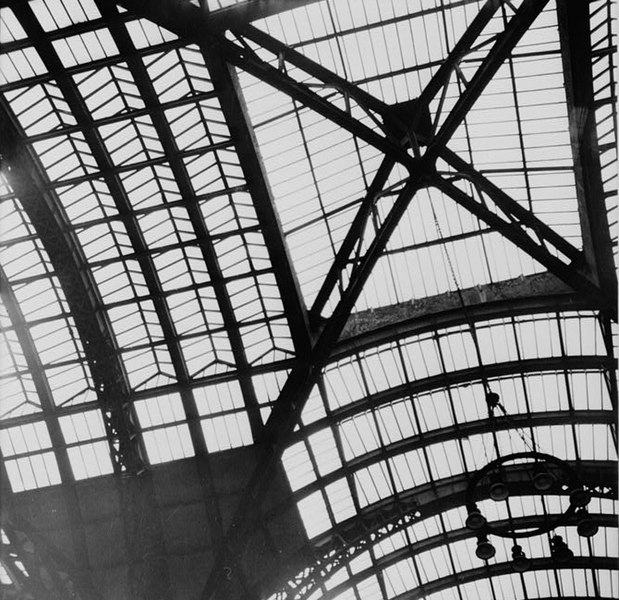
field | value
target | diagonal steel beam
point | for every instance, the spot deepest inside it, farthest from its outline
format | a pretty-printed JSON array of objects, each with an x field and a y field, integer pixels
[
  {"x": 505, "y": 43},
  {"x": 517, "y": 235},
  {"x": 575, "y": 38},
  {"x": 188, "y": 21},
  {"x": 510, "y": 207}
]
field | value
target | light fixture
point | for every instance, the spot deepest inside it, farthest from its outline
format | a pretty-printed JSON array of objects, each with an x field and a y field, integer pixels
[
  {"x": 475, "y": 520},
  {"x": 559, "y": 549},
  {"x": 542, "y": 479},
  {"x": 520, "y": 561},
  {"x": 587, "y": 527},
  {"x": 498, "y": 489},
  {"x": 580, "y": 497},
  {"x": 485, "y": 550},
  {"x": 537, "y": 472}
]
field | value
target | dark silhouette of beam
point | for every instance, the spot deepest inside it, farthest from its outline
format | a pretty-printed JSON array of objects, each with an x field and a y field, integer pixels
[{"x": 575, "y": 37}]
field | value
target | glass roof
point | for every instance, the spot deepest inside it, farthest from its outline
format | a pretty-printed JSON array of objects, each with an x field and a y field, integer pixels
[{"x": 193, "y": 207}]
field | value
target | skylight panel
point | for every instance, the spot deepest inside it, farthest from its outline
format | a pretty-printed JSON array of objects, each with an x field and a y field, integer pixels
[
  {"x": 340, "y": 500},
  {"x": 90, "y": 460},
  {"x": 40, "y": 108},
  {"x": 27, "y": 462},
  {"x": 207, "y": 355},
  {"x": 10, "y": 28},
  {"x": 177, "y": 73},
  {"x": 372, "y": 484},
  {"x": 359, "y": 436},
  {"x": 227, "y": 431},
  {"x": 150, "y": 186},
  {"x": 400, "y": 577},
  {"x": 131, "y": 141},
  {"x": 166, "y": 438},
  {"x": 195, "y": 311},
  {"x": 57, "y": 14},
  {"x": 168, "y": 443},
  {"x": 171, "y": 274},
  {"x": 119, "y": 281},
  {"x": 70, "y": 384},
  {"x": 20, "y": 64},
  {"x": 344, "y": 383},
  {"x": 148, "y": 367},
  {"x": 109, "y": 91},
  {"x": 213, "y": 172},
  {"x": 57, "y": 341},
  {"x": 66, "y": 156},
  {"x": 265, "y": 343},
  {"x": 80, "y": 427},
  {"x": 298, "y": 466},
  {"x": 314, "y": 515},
  {"x": 324, "y": 451},
  {"x": 85, "y": 47},
  {"x": 145, "y": 33},
  {"x": 219, "y": 397}
]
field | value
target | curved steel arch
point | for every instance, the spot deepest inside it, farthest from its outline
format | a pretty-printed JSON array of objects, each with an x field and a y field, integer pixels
[
  {"x": 31, "y": 186},
  {"x": 537, "y": 564},
  {"x": 418, "y": 547},
  {"x": 399, "y": 511},
  {"x": 457, "y": 432},
  {"x": 473, "y": 374}
]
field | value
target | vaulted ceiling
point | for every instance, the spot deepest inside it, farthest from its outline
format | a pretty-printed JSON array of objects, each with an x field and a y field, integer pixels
[{"x": 261, "y": 264}]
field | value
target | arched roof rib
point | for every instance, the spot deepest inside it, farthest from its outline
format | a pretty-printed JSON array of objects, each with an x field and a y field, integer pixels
[
  {"x": 377, "y": 522},
  {"x": 68, "y": 262}
]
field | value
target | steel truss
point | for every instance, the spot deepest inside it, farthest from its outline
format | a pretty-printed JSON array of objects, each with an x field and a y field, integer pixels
[
  {"x": 406, "y": 136},
  {"x": 400, "y": 140}
]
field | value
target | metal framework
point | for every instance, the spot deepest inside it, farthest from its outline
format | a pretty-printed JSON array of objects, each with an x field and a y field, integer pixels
[{"x": 193, "y": 313}]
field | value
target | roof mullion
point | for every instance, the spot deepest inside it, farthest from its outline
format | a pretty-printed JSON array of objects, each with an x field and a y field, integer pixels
[{"x": 205, "y": 242}]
